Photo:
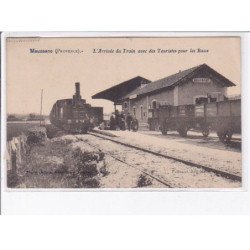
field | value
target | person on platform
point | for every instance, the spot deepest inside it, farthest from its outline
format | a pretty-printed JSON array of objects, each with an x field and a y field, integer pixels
[
  {"x": 122, "y": 121},
  {"x": 117, "y": 118},
  {"x": 112, "y": 122},
  {"x": 129, "y": 120}
]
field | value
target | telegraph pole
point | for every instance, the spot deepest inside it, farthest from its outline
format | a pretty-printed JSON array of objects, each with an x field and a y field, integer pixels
[{"x": 41, "y": 108}]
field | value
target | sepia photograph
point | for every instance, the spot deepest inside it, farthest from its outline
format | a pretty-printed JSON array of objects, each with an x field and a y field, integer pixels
[
  {"x": 128, "y": 120},
  {"x": 137, "y": 113}
]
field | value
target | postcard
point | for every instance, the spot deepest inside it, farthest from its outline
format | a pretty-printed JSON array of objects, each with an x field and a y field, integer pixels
[{"x": 123, "y": 112}]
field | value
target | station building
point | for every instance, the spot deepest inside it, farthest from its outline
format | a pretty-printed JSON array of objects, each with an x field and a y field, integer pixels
[{"x": 140, "y": 96}]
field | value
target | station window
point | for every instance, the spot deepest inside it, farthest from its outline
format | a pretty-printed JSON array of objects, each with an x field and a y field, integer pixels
[{"x": 125, "y": 105}]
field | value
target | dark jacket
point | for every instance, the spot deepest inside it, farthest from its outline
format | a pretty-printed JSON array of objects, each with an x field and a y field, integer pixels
[{"x": 129, "y": 118}]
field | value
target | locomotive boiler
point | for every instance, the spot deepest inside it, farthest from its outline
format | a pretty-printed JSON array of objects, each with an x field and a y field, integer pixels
[{"x": 75, "y": 115}]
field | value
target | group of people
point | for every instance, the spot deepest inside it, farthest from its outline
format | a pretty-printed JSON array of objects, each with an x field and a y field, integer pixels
[{"x": 119, "y": 121}]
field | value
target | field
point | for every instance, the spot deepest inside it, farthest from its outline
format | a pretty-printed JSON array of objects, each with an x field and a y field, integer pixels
[{"x": 15, "y": 129}]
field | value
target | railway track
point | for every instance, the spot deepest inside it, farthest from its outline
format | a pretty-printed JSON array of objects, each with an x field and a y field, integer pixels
[
  {"x": 156, "y": 178},
  {"x": 217, "y": 172}
]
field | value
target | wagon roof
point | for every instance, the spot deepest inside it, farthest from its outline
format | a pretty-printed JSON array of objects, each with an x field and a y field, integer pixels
[
  {"x": 115, "y": 93},
  {"x": 179, "y": 78}
]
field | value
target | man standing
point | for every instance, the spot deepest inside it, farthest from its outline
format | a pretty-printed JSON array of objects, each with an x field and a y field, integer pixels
[
  {"x": 117, "y": 119},
  {"x": 112, "y": 123},
  {"x": 129, "y": 119},
  {"x": 122, "y": 121}
]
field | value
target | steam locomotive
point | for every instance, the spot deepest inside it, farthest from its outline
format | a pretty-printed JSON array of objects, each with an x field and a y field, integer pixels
[{"x": 75, "y": 115}]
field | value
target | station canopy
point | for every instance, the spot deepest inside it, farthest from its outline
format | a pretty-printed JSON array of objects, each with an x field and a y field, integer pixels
[{"x": 117, "y": 92}]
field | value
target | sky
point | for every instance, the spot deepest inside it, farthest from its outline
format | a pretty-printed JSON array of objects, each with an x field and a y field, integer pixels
[{"x": 56, "y": 73}]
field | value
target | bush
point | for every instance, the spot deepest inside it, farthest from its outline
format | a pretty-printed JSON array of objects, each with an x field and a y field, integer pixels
[
  {"x": 143, "y": 181},
  {"x": 87, "y": 164},
  {"x": 52, "y": 131},
  {"x": 36, "y": 136}
]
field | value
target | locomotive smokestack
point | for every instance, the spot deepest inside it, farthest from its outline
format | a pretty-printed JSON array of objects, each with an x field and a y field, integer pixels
[
  {"x": 77, "y": 99},
  {"x": 77, "y": 84}
]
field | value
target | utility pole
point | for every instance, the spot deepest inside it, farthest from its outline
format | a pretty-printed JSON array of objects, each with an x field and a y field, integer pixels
[{"x": 41, "y": 108}]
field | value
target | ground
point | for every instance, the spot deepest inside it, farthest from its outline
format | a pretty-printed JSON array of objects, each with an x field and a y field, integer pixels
[
  {"x": 175, "y": 174},
  {"x": 207, "y": 151},
  {"x": 87, "y": 161}
]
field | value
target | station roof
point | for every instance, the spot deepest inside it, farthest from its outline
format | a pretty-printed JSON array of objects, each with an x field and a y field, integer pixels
[
  {"x": 179, "y": 78},
  {"x": 117, "y": 92}
]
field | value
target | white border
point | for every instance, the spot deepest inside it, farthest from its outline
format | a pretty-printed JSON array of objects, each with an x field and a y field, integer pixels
[{"x": 86, "y": 201}]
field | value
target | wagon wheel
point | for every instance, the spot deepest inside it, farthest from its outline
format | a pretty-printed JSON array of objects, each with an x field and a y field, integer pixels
[
  {"x": 183, "y": 131},
  {"x": 225, "y": 136},
  {"x": 164, "y": 129},
  {"x": 206, "y": 132}
]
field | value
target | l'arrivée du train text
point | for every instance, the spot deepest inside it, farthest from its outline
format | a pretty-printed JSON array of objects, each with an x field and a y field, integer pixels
[{"x": 123, "y": 51}]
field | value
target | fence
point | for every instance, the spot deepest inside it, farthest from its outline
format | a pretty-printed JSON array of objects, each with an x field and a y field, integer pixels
[{"x": 16, "y": 149}]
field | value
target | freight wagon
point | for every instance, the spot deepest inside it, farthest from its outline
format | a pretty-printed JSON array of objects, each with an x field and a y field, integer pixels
[{"x": 223, "y": 117}]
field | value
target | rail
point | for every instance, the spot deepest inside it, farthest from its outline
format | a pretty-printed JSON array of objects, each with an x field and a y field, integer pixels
[{"x": 192, "y": 164}]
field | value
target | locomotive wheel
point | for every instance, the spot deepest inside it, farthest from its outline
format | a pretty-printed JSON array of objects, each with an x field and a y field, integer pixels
[
  {"x": 66, "y": 127},
  {"x": 206, "y": 132},
  {"x": 84, "y": 131},
  {"x": 164, "y": 129}
]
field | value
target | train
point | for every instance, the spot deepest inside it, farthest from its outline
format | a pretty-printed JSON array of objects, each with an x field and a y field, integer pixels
[
  {"x": 75, "y": 115},
  {"x": 224, "y": 117}
]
